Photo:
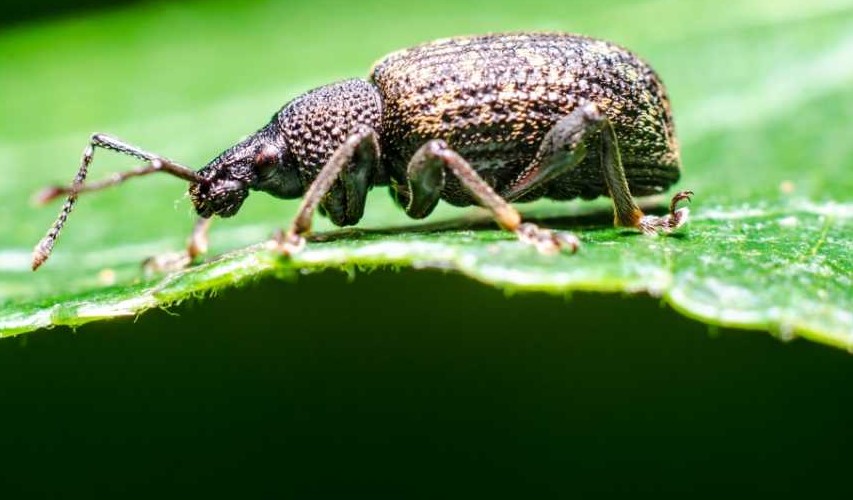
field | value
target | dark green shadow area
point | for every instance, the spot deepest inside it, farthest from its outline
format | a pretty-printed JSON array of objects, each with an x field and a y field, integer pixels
[{"x": 418, "y": 384}]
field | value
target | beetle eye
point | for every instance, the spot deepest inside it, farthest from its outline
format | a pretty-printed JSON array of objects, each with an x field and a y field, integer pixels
[{"x": 267, "y": 160}]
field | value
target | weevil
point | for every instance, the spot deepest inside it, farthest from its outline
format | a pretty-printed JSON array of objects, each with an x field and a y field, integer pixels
[{"x": 481, "y": 120}]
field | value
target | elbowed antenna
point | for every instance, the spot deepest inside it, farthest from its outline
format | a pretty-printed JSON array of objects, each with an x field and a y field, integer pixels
[{"x": 156, "y": 163}]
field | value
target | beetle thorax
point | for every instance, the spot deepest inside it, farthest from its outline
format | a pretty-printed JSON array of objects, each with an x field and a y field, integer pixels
[{"x": 315, "y": 124}]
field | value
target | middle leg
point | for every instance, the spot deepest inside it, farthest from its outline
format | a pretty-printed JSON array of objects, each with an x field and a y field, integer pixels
[{"x": 425, "y": 178}]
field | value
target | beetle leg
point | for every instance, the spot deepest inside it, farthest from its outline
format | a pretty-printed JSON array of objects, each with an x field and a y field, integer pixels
[
  {"x": 651, "y": 224},
  {"x": 196, "y": 247},
  {"x": 561, "y": 150},
  {"x": 424, "y": 181},
  {"x": 627, "y": 213},
  {"x": 426, "y": 172},
  {"x": 197, "y": 244},
  {"x": 360, "y": 149}
]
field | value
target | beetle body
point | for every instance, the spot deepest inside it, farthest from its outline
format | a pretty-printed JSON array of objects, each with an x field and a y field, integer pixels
[
  {"x": 493, "y": 99},
  {"x": 483, "y": 120}
]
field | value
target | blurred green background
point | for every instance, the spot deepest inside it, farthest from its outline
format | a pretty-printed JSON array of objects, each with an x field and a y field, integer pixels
[{"x": 411, "y": 383}]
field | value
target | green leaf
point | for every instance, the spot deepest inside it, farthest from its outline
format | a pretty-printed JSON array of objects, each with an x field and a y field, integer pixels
[{"x": 761, "y": 94}]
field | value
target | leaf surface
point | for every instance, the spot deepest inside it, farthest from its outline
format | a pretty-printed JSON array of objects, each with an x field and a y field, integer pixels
[{"x": 761, "y": 95}]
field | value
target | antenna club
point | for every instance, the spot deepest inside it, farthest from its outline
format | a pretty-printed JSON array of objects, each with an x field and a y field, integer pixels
[{"x": 42, "y": 251}]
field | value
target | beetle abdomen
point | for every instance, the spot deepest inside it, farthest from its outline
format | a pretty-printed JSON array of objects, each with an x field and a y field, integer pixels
[{"x": 494, "y": 97}]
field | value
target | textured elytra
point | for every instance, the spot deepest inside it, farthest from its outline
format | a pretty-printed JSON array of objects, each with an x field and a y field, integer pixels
[{"x": 494, "y": 97}]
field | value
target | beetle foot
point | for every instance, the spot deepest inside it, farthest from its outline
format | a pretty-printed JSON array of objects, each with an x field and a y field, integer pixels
[
  {"x": 287, "y": 243},
  {"x": 677, "y": 217},
  {"x": 166, "y": 263},
  {"x": 548, "y": 242}
]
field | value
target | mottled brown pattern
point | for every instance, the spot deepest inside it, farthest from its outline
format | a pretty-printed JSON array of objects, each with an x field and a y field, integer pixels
[{"x": 494, "y": 97}]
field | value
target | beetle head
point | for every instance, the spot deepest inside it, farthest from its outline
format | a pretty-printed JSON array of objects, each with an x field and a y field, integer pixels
[{"x": 227, "y": 179}]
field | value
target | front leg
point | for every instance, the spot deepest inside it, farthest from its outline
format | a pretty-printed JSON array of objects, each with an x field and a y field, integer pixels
[
  {"x": 196, "y": 247},
  {"x": 425, "y": 180},
  {"x": 361, "y": 150}
]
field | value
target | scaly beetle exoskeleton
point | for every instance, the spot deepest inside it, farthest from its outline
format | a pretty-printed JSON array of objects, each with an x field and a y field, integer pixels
[{"x": 483, "y": 120}]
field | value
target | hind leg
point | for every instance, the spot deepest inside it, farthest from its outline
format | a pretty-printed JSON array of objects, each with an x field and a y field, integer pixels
[{"x": 563, "y": 148}]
